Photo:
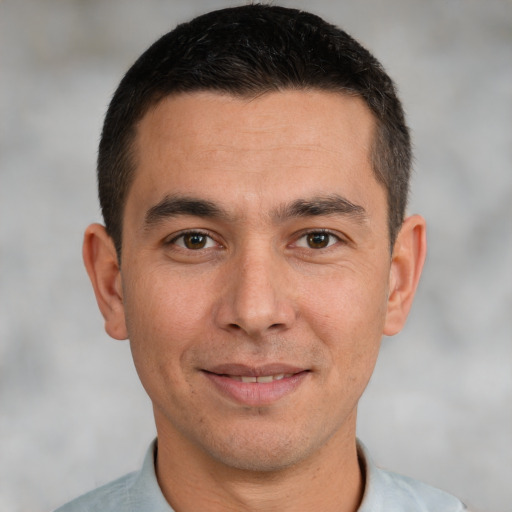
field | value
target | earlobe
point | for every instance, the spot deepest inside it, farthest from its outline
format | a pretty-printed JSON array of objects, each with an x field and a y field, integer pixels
[
  {"x": 102, "y": 265},
  {"x": 407, "y": 261}
]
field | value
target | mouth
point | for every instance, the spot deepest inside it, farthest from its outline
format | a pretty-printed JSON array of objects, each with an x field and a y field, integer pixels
[
  {"x": 261, "y": 379},
  {"x": 256, "y": 386}
]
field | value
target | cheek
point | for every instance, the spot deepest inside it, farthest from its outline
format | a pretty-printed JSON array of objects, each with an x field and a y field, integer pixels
[
  {"x": 348, "y": 316},
  {"x": 347, "y": 303},
  {"x": 165, "y": 319},
  {"x": 163, "y": 306}
]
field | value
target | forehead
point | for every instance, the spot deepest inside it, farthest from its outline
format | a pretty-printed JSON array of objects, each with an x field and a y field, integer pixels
[
  {"x": 316, "y": 118},
  {"x": 296, "y": 142}
]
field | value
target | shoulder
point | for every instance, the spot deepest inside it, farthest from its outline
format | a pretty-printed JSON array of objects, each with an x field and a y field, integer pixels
[
  {"x": 112, "y": 497},
  {"x": 407, "y": 494},
  {"x": 135, "y": 492},
  {"x": 386, "y": 491}
]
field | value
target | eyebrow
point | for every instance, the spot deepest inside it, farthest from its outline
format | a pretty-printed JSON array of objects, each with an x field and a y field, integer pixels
[
  {"x": 322, "y": 206},
  {"x": 174, "y": 206}
]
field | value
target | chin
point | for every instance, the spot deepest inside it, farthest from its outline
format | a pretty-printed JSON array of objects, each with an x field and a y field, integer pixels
[
  {"x": 262, "y": 452},
  {"x": 258, "y": 461}
]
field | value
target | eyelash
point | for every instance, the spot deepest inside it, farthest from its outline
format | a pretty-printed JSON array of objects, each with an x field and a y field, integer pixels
[
  {"x": 183, "y": 234},
  {"x": 325, "y": 232},
  {"x": 200, "y": 233}
]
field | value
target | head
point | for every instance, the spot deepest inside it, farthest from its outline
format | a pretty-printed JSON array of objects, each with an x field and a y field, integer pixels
[
  {"x": 246, "y": 52},
  {"x": 253, "y": 174}
]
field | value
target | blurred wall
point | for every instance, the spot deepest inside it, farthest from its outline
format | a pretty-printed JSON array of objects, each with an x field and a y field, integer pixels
[{"x": 439, "y": 405}]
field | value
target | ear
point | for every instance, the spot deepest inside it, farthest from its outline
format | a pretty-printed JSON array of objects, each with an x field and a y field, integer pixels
[
  {"x": 101, "y": 262},
  {"x": 407, "y": 261}
]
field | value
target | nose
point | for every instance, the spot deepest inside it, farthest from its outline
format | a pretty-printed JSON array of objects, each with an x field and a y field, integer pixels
[{"x": 257, "y": 298}]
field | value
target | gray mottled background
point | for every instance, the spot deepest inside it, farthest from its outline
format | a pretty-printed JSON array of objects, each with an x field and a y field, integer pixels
[{"x": 439, "y": 407}]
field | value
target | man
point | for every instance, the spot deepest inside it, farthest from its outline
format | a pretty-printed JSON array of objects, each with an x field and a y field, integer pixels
[{"x": 253, "y": 175}]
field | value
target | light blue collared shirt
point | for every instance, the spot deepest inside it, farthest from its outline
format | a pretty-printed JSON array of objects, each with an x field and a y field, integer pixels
[{"x": 384, "y": 492}]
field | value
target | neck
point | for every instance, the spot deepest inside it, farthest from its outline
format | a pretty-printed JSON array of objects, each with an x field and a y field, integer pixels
[{"x": 190, "y": 480}]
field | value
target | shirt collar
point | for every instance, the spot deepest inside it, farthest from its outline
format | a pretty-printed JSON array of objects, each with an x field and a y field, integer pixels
[{"x": 382, "y": 489}]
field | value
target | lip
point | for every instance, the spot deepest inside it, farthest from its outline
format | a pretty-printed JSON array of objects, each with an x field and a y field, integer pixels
[
  {"x": 255, "y": 394},
  {"x": 254, "y": 371}
]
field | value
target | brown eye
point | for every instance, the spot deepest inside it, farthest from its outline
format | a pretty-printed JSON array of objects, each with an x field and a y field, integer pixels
[
  {"x": 194, "y": 241},
  {"x": 318, "y": 240}
]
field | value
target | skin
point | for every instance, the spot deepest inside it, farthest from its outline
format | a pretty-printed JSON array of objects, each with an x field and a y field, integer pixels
[{"x": 228, "y": 270}]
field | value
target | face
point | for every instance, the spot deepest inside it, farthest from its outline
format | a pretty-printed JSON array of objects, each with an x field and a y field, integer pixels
[{"x": 255, "y": 272}]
